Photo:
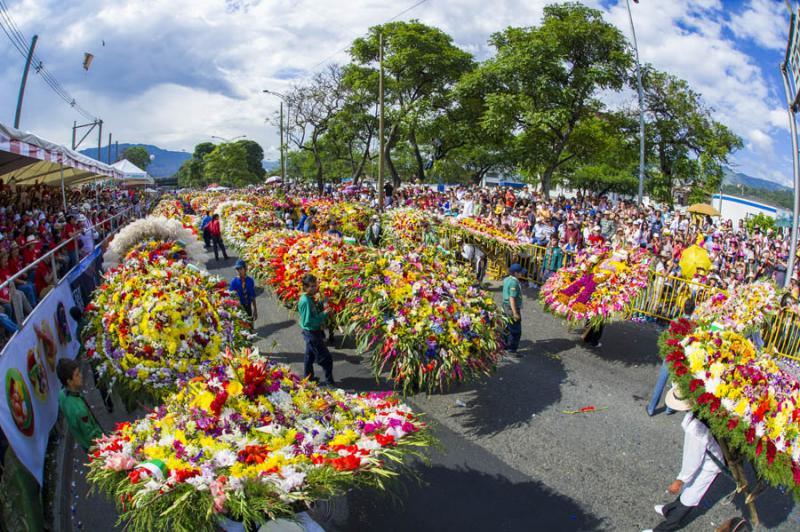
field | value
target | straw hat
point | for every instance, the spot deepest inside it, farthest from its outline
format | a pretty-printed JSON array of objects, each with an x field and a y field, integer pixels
[{"x": 675, "y": 401}]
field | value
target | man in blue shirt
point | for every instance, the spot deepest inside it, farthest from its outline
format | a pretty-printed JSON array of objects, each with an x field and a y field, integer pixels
[
  {"x": 204, "y": 228},
  {"x": 245, "y": 288}
]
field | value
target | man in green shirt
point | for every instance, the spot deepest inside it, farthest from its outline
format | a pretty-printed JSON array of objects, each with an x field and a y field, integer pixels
[
  {"x": 80, "y": 421},
  {"x": 512, "y": 305},
  {"x": 312, "y": 319}
]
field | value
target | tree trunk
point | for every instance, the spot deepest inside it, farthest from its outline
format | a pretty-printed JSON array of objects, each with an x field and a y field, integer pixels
[
  {"x": 318, "y": 164},
  {"x": 364, "y": 159},
  {"x": 412, "y": 138},
  {"x": 390, "y": 143}
]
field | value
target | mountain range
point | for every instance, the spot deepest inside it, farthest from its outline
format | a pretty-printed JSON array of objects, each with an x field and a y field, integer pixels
[
  {"x": 165, "y": 162},
  {"x": 737, "y": 178}
]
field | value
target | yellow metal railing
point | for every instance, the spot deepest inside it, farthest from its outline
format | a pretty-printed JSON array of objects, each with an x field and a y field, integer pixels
[
  {"x": 783, "y": 334},
  {"x": 665, "y": 296}
]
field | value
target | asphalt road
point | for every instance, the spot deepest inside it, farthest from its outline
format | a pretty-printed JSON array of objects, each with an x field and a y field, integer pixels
[{"x": 510, "y": 459}]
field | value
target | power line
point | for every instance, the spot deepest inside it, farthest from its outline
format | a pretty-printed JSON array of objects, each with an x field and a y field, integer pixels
[{"x": 20, "y": 42}]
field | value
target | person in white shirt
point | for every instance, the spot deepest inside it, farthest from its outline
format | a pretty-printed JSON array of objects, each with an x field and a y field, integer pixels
[{"x": 700, "y": 466}]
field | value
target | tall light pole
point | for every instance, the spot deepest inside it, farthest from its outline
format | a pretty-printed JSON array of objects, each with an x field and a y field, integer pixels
[
  {"x": 791, "y": 107},
  {"x": 641, "y": 103},
  {"x": 25, "y": 82},
  {"x": 284, "y": 145},
  {"x": 380, "y": 122}
]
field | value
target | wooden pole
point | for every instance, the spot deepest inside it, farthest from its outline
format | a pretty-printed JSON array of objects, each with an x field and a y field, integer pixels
[{"x": 380, "y": 123}]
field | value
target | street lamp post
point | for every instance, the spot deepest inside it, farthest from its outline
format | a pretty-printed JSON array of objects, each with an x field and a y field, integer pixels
[
  {"x": 283, "y": 131},
  {"x": 641, "y": 104}
]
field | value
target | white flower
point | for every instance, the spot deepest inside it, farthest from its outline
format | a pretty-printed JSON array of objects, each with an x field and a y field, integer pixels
[{"x": 224, "y": 458}]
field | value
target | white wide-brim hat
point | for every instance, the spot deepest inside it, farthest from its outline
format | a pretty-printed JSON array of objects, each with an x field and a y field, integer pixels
[{"x": 675, "y": 401}]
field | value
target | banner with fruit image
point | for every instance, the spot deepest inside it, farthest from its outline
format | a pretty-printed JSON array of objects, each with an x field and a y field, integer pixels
[{"x": 28, "y": 381}]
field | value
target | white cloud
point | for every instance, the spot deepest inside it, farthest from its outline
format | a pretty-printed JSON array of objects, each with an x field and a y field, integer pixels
[
  {"x": 175, "y": 72},
  {"x": 764, "y": 21}
]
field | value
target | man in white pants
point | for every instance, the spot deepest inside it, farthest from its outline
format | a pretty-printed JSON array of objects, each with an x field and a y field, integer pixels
[{"x": 698, "y": 469}]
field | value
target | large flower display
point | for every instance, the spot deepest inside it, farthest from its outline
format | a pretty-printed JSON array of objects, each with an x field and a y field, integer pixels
[
  {"x": 747, "y": 399},
  {"x": 599, "y": 287},
  {"x": 157, "y": 321},
  {"x": 241, "y": 221},
  {"x": 422, "y": 321},
  {"x": 352, "y": 218},
  {"x": 748, "y": 308},
  {"x": 250, "y": 441},
  {"x": 405, "y": 225},
  {"x": 483, "y": 231}
]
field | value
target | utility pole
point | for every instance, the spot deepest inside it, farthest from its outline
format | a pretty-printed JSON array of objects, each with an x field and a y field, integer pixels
[
  {"x": 286, "y": 132},
  {"x": 380, "y": 122},
  {"x": 791, "y": 108},
  {"x": 108, "y": 157},
  {"x": 74, "y": 129},
  {"x": 24, "y": 81},
  {"x": 641, "y": 105},
  {"x": 100, "y": 142},
  {"x": 116, "y": 151},
  {"x": 283, "y": 146}
]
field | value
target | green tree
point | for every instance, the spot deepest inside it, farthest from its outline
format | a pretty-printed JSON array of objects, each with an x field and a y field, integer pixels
[
  {"x": 689, "y": 147},
  {"x": 227, "y": 166},
  {"x": 543, "y": 81},
  {"x": 138, "y": 156},
  {"x": 203, "y": 149},
  {"x": 421, "y": 66},
  {"x": 760, "y": 221},
  {"x": 313, "y": 107},
  {"x": 255, "y": 156},
  {"x": 190, "y": 174}
]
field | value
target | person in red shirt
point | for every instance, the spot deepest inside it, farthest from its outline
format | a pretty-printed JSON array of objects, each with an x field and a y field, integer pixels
[
  {"x": 216, "y": 237},
  {"x": 596, "y": 238},
  {"x": 71, "y": 230},
  {"x": 31, "y": 250}
]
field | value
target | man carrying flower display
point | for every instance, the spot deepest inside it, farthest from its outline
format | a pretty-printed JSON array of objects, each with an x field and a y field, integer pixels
[
  {"x": 312, "y": 318},
  {"x": 245, "y": 288},
  {"x": 80, "y": 420},
  {"x": 512, "y": 305}
]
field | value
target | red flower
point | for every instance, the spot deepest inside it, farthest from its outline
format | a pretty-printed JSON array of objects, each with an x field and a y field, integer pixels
[
  {"x": 696, "y": 383},
  {"x": 796, "y": 473},
  {"x": 681, "y": 370},
  {"x": 346, "y": 463},
  {"x": 750, "y": 435},
  {"x": 733, "y": 423},
  {"x": 181, "y": 475},
  {"x": 770, "y": 452},
  {"x": 219, "y": 402},
  {"x": 384, "y": 440},
  {"x": 759, "y": 447}
]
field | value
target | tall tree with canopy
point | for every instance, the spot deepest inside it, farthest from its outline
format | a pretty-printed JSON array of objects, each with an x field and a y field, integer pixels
[
  {"x": 688, "y": 146},
  {"x": 421, "y": 66},
  {"x": 545, "y": 80}
]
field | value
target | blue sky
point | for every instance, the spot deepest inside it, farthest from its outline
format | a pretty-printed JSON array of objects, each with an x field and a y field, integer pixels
[{"x": 174, "y": 73}]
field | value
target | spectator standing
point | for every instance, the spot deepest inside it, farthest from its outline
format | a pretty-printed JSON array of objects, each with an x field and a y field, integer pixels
[
  {"x": 79, "y": 417},
  {"x": 245, "y": 288},
  {"x": 312, "y": 319},
  {"x": 204, "y": 228},
  {"x": 512, "y": 305},
  {"x": 216, "y": 237}
]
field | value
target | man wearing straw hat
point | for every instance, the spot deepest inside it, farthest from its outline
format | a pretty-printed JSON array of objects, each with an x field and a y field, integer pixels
[{"x": 702, "y": 457}]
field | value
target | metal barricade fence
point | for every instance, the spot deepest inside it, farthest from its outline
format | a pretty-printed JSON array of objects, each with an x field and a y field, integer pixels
[
  {"x": 783, "y": 334},
  {"x": 665, "y": 296}
]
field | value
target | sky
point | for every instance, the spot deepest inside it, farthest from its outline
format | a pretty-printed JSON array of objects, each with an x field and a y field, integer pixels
[{"x": 175, "y": 73}]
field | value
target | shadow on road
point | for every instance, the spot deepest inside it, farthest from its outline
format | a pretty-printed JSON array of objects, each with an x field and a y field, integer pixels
[
  {"x": 630, "y": 343},
  {"x": 459, "y": 498},
  {"x": 271, "y": 328},
  {"x": 496, "y": 404}
]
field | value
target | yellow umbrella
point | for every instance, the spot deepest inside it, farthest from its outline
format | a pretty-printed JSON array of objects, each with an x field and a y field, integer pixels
[
  {"x": 693, "y": 258},
  {"x": 703, "y": 208}
]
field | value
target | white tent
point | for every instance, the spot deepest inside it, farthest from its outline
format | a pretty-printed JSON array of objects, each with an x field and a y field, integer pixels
[
  {"x": 26, "y": 159},
  {"x": 133, "y": 175}
]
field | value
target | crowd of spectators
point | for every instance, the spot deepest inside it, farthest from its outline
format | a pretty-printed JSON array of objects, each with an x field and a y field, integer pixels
[
  {"x": 566, "y": 225},
  {"x": 33, "y": 221}
]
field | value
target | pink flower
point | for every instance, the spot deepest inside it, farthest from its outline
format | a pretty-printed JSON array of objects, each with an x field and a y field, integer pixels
[{"x": 120, "y": 462}]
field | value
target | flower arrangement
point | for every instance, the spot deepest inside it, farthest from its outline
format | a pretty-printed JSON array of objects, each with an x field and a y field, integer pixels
[
  {"x": 352, "y": 218},
  {"x": 157, "y": 321},
  {"x": 745, "y": 397},
  {"x": 242, "y": 220},
  {"x": 422, "y": 321},
  {"x": 486, "y": 233},
  {"x": 599, "y": 287},
  {"x": 250, "y": 441},
  {"x": 173, "y": 210},
  {"x": 748, "y": 308},
  {"x": 405, "y": 225},
  {"x": 154, "y": 228}
]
